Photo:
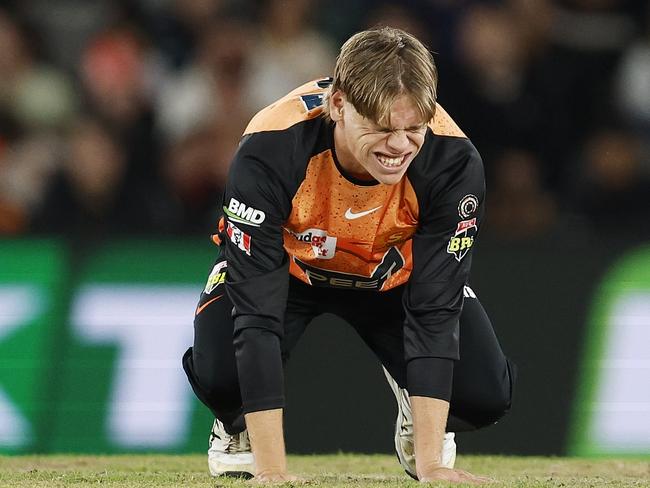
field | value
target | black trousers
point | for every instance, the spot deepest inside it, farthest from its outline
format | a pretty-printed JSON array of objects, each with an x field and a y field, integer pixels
[{"x": 483, "y": 377}]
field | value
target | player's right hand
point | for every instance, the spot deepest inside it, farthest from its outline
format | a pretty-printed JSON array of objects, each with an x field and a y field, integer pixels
[{"x": 453, "y": 476}]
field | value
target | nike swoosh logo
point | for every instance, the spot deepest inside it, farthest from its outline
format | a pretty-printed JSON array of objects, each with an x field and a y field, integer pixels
[
  {"x": 351, "y": 215},
  {"x": 200, "y": 309}
]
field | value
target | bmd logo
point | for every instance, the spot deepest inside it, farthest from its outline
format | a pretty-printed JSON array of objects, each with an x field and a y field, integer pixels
[{"x": 242, "y": 214}]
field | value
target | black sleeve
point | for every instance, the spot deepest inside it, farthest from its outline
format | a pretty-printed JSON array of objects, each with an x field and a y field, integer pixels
[
  {"x": 256, "y": 203},
  {"x": 451, "y": 212},
  {"x": 430, "y": 377}
]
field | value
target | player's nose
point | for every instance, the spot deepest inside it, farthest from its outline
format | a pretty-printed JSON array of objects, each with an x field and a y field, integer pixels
[{"x": 397, "y": 141}]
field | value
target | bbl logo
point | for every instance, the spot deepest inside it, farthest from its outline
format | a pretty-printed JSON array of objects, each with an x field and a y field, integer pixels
[
  {"x": 463, "y": 239},
  {"x": 217, "y": 277}
]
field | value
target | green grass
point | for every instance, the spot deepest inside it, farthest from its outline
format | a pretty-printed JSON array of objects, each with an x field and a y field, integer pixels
[{"x": 339, "y": 470}]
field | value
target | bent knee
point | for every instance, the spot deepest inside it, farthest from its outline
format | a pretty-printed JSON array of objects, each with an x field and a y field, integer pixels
[
  {"x": 212, "y": 382},
  {"x": 467, "y": 418},
  {"x": 488, "y": 404},
  {"x": 491, "y": 412},
  {"x": 499, "y": 402}
]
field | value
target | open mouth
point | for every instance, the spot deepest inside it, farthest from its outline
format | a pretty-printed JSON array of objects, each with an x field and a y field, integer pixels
[{"x": 391, "y": 162}]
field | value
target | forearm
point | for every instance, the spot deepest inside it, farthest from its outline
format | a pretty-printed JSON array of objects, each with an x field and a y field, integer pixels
[
  {"x": 429, "y": 421},
  {"x": 259, "y": 367},
  {"x": 267, "y": 442}
]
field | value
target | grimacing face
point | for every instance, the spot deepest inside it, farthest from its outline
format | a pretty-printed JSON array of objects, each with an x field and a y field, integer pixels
[{"x": 368, "y": 150}]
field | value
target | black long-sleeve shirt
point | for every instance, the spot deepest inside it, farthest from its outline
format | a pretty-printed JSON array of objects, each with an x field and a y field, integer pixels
[{"x": 290, "y": 209}]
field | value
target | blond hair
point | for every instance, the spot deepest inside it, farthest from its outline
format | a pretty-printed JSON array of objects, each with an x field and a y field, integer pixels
[{"x": 377, "y": 65}]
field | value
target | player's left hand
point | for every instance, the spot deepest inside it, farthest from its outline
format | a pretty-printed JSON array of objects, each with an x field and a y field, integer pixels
[{"x": 453, "y": 476}]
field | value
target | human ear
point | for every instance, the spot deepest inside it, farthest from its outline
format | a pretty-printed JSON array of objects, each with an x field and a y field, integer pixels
[{"x": 337, "y": 101}]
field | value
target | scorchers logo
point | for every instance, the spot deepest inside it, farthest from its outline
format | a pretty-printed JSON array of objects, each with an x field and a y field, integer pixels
[
  {"x": 463, "y": 239},
  {"x": 322, "y": 245},
  {"x": 392, "y": 262}
]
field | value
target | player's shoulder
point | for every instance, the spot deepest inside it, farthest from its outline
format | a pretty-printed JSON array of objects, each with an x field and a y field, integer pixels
[
  {"x": 300, "y": 105},
  {"x": 443, "y": 125},
  {"x": 446, "y": 147},
  {"x": 280, "y": 140},
  {"x": 447, "y": 159}
]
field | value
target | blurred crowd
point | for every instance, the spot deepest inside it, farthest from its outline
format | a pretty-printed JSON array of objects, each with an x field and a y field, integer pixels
[{"x": 121, "y": 117}]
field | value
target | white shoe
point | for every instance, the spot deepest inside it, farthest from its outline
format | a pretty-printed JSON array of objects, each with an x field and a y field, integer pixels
[
  {"x": 404, "y": 433},
  {"x": 230, "y": 455}
]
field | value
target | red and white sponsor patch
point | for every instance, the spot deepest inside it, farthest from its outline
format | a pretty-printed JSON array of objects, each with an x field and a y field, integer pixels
[
  {"x": 239, "y": 238},
  {"x": 323, "y": 245},
  {"x": 463, "y": 225}
]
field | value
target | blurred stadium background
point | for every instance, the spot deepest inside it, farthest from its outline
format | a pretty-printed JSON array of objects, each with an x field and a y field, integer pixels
[{"x": 117, "y": 123}]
